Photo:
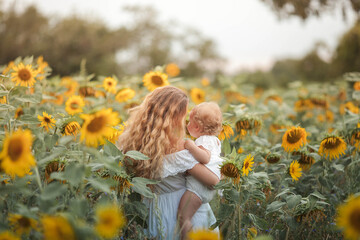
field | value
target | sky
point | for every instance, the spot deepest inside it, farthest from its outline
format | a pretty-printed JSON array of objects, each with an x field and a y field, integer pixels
[{"x": 246, "y": 32}]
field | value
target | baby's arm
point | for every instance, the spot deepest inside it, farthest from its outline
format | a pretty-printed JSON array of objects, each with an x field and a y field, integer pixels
[{"x": 200, "y": 153}]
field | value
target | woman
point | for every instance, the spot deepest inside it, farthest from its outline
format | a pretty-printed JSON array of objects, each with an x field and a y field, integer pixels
[{"x": 156, "y": 128}]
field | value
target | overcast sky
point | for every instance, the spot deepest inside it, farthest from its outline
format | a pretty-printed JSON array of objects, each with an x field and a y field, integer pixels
[{"x": 247, "y": 32}]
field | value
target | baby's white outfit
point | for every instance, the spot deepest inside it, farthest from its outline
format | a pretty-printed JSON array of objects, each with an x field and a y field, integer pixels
[{"x": 212, "y": 144}]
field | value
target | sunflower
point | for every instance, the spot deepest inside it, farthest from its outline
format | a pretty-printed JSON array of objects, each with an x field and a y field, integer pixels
[
  {"x": 274, "y": 128},
  {"x": 74, "y": 105},
  {"x": 59, "y": 99},
  {"x": 226, "y": 132},
  {"x": 295, "y": 170},
  {"x": 115, "y": 135},
  {"x": 122, "y": 183},
  {"x": 57, "y": 228},
  {"x": 172, "y": 70},
  {"x": 235, "y": 97},
  {"x": 252, "y": 233},
  {"x": 109, "y": 84},
  {"x": 248, "y": 163},
  {"x": 8, "y": 236},
  {"x": 293, "y": 139},
  {"x": 23, "y": 75},
  {"x": 19, "y": 112},
  {"x": 350, "y": 107},
  {"x": 329, "y": 115},
  {"x": 125, "y": 94},
  {"x": 332, "y": 147},
  {"x": 110, "y": 220},
  {"x": 47, "y": 121},
  {"x": 54, "y": 166},
  {"x": 16, "y": 157},
  {"x": 348, "y": 218},
  {"x": 86, "y": 91},
  {"x": 258, "y": 92},
  {"x": 230, "y": 169},
  {"x": 240, "y": 150},
  {"x": 8, "y": 68},
  {"x": 70, "y": 84},
  {"x": 303, "y": 105},
  {"x": 71, "y": 128},
  {"x": 316, "y": 215},
  {"x": 355, "y": 138},
  {"x": 320, "y": 103},
  {"x": 197, "y": 95},
  {"x": 98, "y": 126},
  {"x": 131, "y": 105},
  {"x": 273, "y": 158},
  {"x": 21, "y": 224},
  {"x": 205, "y": 82},
  {"x": 248, "y": 124},
  {"x": 356, "y": 86},
  {"x": 153, "y": 80},
  {"x": 100, "y": 94},
  {"x": 41, "y": 67},
  {"x": 305, "y": 160},
  {"x": 3, "y": 100},
  {"x": 202, "y": 234},
  {"x": 274, "y": 98}
]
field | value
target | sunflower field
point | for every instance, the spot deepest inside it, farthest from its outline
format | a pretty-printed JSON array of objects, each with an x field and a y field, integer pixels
[{"x": 290, "y": 170}]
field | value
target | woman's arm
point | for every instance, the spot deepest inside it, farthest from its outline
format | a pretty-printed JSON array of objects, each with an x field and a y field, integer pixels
[{"x": 204, "y": 175}]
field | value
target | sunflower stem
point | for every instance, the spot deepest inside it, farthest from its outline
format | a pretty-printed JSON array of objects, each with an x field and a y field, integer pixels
[
  {"x": 38, "y": 178},
  {"x": 239, "y": 210},
  {"x": 55, "y": 130}
]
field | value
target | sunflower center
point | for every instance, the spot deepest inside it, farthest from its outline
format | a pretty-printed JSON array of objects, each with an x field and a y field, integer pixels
[
  {"x": 157, "y": 80},
  {"x": 273, "y": 159},
  {"x": 304, "y": 159},
  {"x": 24, "y": 74},
  {"x": 47, "y": 120},
  {"x": 107, "y": 220},
  {"x": 355, "y": 219},
  {"x": 24, "y": 222},
  {"x": 199, "y": 96},
  {"x": 74, "y": 105},
  {"x": 109, "y": 84},
  {"x": 96, "y": 124},
  {"x": 15, "y": 149},
  {"x": 294, "y": 136},
  {"x": 331, "y": 143},
  {"x": 71, "y": 128},
  {"x": 246, "y": 165},
  {"x": 230, "y": 170}
]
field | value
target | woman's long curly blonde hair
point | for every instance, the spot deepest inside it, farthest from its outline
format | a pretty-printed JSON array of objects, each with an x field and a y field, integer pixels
[{"x": 155, "y": 129}]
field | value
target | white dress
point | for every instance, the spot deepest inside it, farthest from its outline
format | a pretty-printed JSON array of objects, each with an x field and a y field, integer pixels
[
  {"x": 213, "y": 145},
  {"x": 169, "y": 192}
]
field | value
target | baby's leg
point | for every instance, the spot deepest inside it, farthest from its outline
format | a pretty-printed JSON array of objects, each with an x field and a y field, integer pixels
[{"x": 189, "y": 204}]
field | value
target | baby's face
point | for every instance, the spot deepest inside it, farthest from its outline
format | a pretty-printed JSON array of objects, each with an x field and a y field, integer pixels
[{"x": 193, "y": 127}]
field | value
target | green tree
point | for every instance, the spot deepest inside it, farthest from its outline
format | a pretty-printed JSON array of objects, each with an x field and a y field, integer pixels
[
  {"x": 132, "y": 49},
  {"x": 346, "y": 57},
  {"x": 307, "y": 8}
]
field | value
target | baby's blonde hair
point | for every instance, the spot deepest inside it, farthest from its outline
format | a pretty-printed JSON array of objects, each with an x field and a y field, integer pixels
[
  {"x": 155, "y": 128},
  {"x": 209, "y": 117}
]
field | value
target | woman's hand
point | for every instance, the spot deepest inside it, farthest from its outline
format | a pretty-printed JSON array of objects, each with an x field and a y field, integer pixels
[{"x": 181, "y": 145}]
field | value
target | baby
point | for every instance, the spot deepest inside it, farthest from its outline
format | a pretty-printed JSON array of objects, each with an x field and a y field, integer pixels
[{"x": 205, "y": 124}]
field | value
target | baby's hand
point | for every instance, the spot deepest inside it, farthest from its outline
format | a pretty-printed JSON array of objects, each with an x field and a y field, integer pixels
[{"x": 189, "y": 144}]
